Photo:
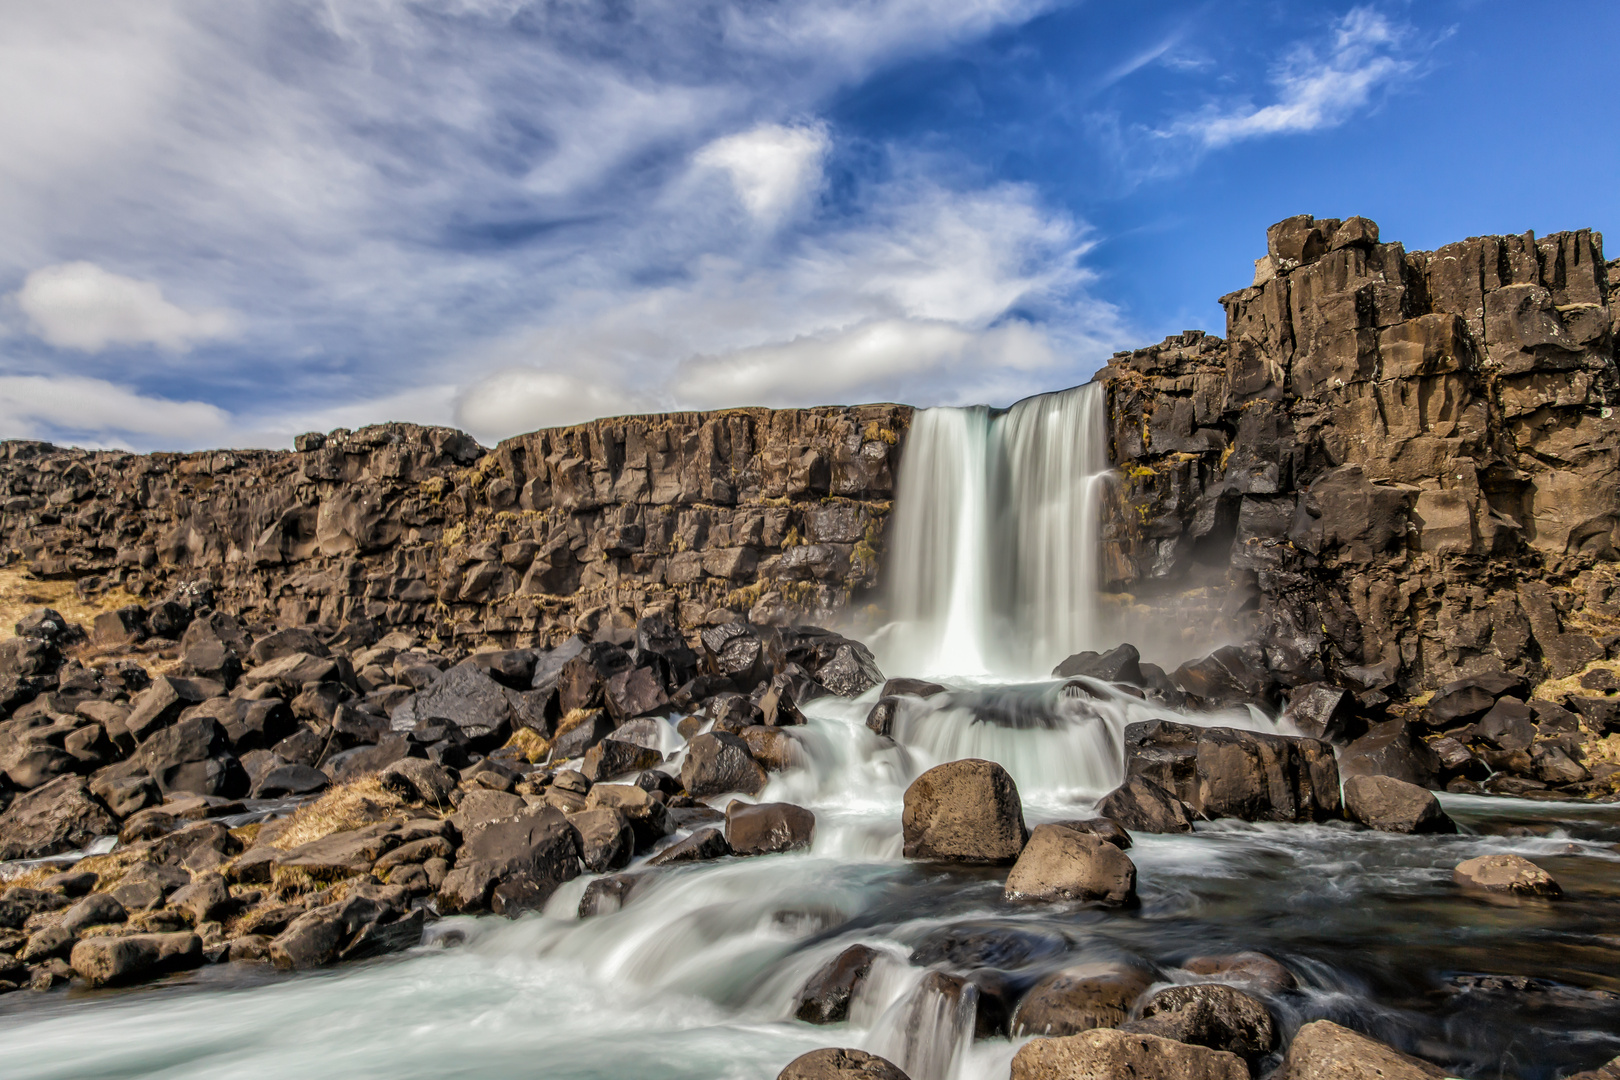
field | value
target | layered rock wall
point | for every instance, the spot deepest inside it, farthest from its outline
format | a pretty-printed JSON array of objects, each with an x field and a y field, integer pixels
[
  {"x": 1398, "y": 469},
  {"x": 778, "y": 514}
]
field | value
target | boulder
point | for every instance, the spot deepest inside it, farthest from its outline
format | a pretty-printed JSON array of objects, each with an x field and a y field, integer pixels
[
  {"x": 280, "y": 643},
  {"x": 1510, "y": 874},
  {"x": 1321, "y": 710},
  {"x": 606, "y": 841},
  {"x": 606, "y": 895},
  {"x": 1103, "y": 828},
  {"x": 1610, "y": 1071},
  {"x": 964, "y": 811},
  {"x": 206, "y": 899},
  {"x": 825, "y": 998},
  {"x": 1080, "y": 998},
  {"x": 1248, "y": 968},
  {"x": 1230, "y": 772},
  {"x": 773, "y": 748},
  {"x": 480, "y": 708},
  {"x": 577, "y": 732},
  {"x": 317, "y": 936},
  {"x": 1219, "y": 1017},
  {"x": 638, "y": 691},
  {"x": 647, "y": 816},
  {"x": 1392, "y": 748},
  {"x": 109, "y": 961},
  {"x": 1112, "y": 1055},
  {"x": 1390, "y": 805},
  {"x": 764, "y": 828},
  {"x": 1121, "y": 664},
  {"x": 717, "y": 763},
  {"x": 97, "y": 909},
  {"x": 831, "y": 1064},
  {"x": 1060, "y": 863},
  {"x": 912, "y": 688},
  {"x": 194, "y": 754},
  {"x": 512, "y": 865},
  {"x": 162, "y": 702},
  {"x": 60, "y": 816},
  {"x": 344, "y": 853},
  {"x": 1142, "y": 805},
  {"x": 702, "y": 845},
  {"x": 611, "y": 757},
  {"x": 1322, "y": 1050},
  {"x": 416, "y": 778}
]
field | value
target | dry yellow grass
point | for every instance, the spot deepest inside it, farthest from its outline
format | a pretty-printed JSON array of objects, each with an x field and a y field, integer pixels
[
  {"x": 21, "y": 594},
  {"x": 348, "y": 806},
  {"x": 1555, "y": 689},
  {"x": 529, "y": 743}
]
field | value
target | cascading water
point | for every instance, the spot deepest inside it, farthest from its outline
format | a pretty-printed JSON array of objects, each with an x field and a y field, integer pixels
[
  {"x": 993, "y": 565},
  {"x": 697, "y": 976}
]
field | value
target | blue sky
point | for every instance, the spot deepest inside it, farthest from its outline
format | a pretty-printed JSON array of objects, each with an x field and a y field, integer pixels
[{"x": 226, "y": 224}]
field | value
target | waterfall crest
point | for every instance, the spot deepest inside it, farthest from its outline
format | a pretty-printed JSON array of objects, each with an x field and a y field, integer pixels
[{"x": 993, "y": 565}]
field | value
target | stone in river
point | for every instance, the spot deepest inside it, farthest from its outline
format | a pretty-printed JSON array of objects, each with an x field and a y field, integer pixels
[
  {"x": 1510, "y": 874},
  {"x": 964, "y": 811},
  {"x": 1113, "y": 1055},
  {"x": 1323, "y": 1050},
  {"x": 1390, "y": 805},
  {"x": 1060, "y": 863},
  {"x": 825, "y": 998},
  {"x": 835, "y": 1064},
  {"x": 1212, "y": 1015}
]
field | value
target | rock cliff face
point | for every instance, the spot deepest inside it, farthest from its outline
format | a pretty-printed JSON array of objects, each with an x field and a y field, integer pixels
[
  {"x": 775, "y": 514},
  {"x": 1399, "y": 468}
]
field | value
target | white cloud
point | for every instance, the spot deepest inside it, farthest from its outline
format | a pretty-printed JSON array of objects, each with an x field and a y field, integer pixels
[
  {"x": 1313, "y": 91},
  {"x": 773, "y": 167},
  {"x": 79, "y": 305},
  {"x": 33, "y": 406},
  {"x": 522, "y": 399}
]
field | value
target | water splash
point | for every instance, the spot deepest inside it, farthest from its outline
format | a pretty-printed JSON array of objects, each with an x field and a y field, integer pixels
[{"x": 993, "y": 568}]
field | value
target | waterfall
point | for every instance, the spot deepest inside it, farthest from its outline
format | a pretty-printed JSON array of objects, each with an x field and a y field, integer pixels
[{"x": 993, "y": 565}]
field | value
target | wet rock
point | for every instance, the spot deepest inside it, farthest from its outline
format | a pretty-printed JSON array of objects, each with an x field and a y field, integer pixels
[
  {"x": 636, "y": 692},
  {"x": 1060, "y": 863},
  {"x": 578, "y": 732},
  {"x": 59, "y": 816},
  {"x": 833, "y": 1064},
  {"x": 1141, "y": 805},
  {"x": 825, "y": 998},
  {"x": 317, "y": 936},
  {"x": 765, "y": 828},
  {"x": 773, "y": 748},
  {"x": 1228, "y": 772},
  {"x": 1080, "y": 998},
  {"x": 1248, "y": 968},
  {"x": 606, "y": 841},
  {"x": 912, "y": 688},
  {"x": 702, "y": 845},
  {"x": 109, "y": 961},
  {"x": 880, "y": 717},
  {"x": 717, "y": 763},
  {"x": 1121, "y": 664},
  {"x": 288, "y": 780},
  {"x": 611, "y": 757},
  {"x": 996, "y": 945},
  {"x": 1322, "y": 711},
  {"x": 1390, "y": 805},
  {"x": 1111, "y": 1055},
  {"x": 964, "y": 811},
  {"x": 479, "y": 707},
  {"x": 1392, "y": 748},
  {"x": 1510, "y": 874},
  {"x": 1102, "y": 828},
  {"x": 512, "y": 865},
  {"x": 1219, "y": 1017},
  {"x": 194, "y": 755},
  {"x": 605, "y": 895},
  {"x": 851, "y": 672},
  {"x": 1322, "y": 1050},
  {"x": 1610, "y": 1071}
]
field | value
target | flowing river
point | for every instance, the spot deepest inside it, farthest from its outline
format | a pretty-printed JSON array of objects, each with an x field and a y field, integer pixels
[{"x": 993, "y": 570}]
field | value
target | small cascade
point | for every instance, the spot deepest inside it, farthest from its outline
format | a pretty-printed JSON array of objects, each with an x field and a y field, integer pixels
[{"x": 993, "y": 567}]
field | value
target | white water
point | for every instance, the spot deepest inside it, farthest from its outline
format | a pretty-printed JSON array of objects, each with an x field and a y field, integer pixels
[{"x": 993, "y": 565}]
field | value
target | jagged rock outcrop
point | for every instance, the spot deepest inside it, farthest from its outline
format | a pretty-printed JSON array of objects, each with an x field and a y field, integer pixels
[{"x": 773, "y": 513}]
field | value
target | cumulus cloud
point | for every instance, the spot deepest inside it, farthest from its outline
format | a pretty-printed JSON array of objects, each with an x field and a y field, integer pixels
[
  {"x": 1316, "y": 88},
  {"x": 773, "y": 167},
  {"x": 101, "y": 412},
  {"x": 79, "y": 305}
]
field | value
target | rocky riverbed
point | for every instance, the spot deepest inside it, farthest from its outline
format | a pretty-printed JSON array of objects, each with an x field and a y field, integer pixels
[{"x": 711, "y": 859}]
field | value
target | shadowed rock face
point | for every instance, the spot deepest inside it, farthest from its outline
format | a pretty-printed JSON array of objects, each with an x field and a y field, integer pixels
[
  {"x": 1401, "y": 467},
  {"x": 778, "y": 512}
]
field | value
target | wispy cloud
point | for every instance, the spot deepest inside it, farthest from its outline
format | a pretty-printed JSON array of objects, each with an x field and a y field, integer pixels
[
  {"x": 1316, "y": 87},
  {"x": 81, "y": 306}
]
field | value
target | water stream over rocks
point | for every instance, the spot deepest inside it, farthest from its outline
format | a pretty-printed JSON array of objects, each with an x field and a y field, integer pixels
[{"x": 698, "y": 974}]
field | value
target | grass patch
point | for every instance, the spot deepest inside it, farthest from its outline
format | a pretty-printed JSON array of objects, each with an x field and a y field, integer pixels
[
  {"x": 529, "y": 744},
  {"x": 22, "y": 594},
  {"x": 348, "y": 806}
]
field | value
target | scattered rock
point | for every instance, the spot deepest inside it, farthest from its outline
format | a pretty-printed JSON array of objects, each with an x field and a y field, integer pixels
[
  {"x": 108, "y": 961},
  {"x": 764, "y": 828},
  {"x": 1113, "y": 1055},
  {"x": 1121, "y": 664},
  {"x": 1506, "y": 874},
  {"x": 1080, "y": 998},
  {"x": 702, "y": 845},
  {"x": 59, "y": 816},
  {"x": 1219, "y": 1017},
  {"x": 1322, "y": 1050},
  {"x": 512, "y": 865},
  {"x": 840, "y": 1065},
  {"x": 1390, "y": 805},
  {"x": 1249, "y": 968},
  {"x": 825, "y": 998},
  {"x": 1144, "y": 806},
  {"x": 718, "y": 763},
  {"x": 964, "y": 811},
  {"x": 1060, "y": 863}
]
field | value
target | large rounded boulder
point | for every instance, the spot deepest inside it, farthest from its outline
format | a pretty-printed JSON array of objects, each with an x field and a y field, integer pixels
[
  {"x": 1063, "y": 863},
  {"x": 1111, "y": 1055},
  {"x": 835, "y": 1064},
  {"x": 1391, "y": 805},
  {"x": 964, "y": 811}
]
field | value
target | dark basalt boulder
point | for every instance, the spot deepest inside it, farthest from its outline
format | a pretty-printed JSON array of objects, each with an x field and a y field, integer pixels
[
  {"x": 59, "y": 816},
  {"x": 1121, "y": 664},
  {"x": 834, "y": 1064},
  {"x": 466, "y": 696},
  {"x": 1219, "y": 1017},
  {"x": 1390, "y": 805},
  {"x": 578, "y": 732},
  {"x": 512, "y": 668},
  {"x": 646, "y": 814},
  {"x": 661, "y": 646},
  {"x": 1229, "y": 772},
  {"x": 1392, "y": 748},
  {"x": 637, "y": 691},
  {"x": 606, "y": 895},
  {"x": 765, "y": 828},
  {"x": 512, "y": 865},
  {"x": 1323, "y": 711},
  {"x": 912, "y": 688},
  {"x": 717, "y": 763},
  {"x": 704, "y": 844},
  {"x": 285, "y": 780},
  {"x": 606, "y": 841},
  {"x": 280, "y": 643},
  {"x": 1230, "y": 675},
  {"x": 736, "y": 652},
  {"x": 611, "y": 757},
  {"x": 162, "y": 702},
  {"x": 194, "y": 755},
  {"x": 826, "y": 996},
  {"x": 111, "y": 961},
  {"x": 964, "y": 811}
]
